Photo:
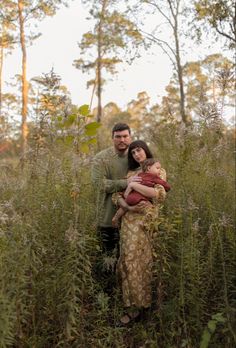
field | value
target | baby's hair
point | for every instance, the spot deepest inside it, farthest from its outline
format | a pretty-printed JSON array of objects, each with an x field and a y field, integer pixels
[{"x": 147, "y": 163}]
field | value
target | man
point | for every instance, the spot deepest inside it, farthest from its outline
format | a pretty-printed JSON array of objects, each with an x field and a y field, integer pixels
[{"x": 108, "y": 172}]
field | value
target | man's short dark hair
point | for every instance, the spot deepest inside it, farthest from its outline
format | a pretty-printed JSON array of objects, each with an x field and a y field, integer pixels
[{"x": 118, "y": 127}]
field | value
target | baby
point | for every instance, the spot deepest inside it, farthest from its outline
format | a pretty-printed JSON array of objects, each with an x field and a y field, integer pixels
[{"x": 150, "y": 177}]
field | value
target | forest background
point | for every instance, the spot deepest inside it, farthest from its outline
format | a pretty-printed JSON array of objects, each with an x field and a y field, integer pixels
[{"x": 48, "y": 245}]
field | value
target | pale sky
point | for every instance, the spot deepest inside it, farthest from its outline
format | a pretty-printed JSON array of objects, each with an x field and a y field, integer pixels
[{"x": 58, "y": 47}]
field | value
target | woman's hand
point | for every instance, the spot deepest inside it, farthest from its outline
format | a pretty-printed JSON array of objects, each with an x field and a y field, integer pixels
[
  {"x": 122, "y": 203},
  {"x": 139, "y": 208}
]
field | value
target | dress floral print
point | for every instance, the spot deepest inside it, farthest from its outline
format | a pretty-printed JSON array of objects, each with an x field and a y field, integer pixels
[{"x": 135, "y": 262}]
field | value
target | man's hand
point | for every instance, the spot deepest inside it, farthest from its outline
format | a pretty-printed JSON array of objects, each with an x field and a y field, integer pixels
[{"x": 134, "y": 178}]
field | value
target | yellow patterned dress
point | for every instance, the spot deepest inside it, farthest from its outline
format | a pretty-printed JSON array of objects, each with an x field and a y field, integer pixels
[{"x": 134, "y": 266}]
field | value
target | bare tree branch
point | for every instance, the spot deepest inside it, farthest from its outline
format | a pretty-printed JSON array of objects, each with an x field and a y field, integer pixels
[
  {"x": 160, "y": 42},
  {"x": 225, "y": 34},
  {"x": 162, "y": 13}
]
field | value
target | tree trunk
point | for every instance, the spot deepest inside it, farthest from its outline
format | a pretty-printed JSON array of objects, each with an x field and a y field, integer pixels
[
  {"x": 1, "y": 70},
  {"x": 179, "y": 69},
  {"x": 1, "y": 65},
  {"x": 174, "y": 54},
  {"x": 99, "y": 78},
  {"x": 180, "y": 79},
  {"x": 24, "y": 127},
  {"x": 93, "y": 92},
  {"x": 99, "y": 65}
]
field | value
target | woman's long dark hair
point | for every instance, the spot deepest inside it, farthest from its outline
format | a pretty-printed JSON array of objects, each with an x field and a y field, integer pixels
[{"x": 132, "y": 164}]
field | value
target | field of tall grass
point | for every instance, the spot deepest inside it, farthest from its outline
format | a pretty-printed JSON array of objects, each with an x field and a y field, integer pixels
[{"x": 48, "y": 249}]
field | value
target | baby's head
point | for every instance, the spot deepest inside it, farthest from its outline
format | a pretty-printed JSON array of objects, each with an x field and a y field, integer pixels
[{"x": 151, "y": 165}]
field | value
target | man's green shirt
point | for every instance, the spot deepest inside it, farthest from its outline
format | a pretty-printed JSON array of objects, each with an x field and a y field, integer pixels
[{"x": 108, "y": 172}]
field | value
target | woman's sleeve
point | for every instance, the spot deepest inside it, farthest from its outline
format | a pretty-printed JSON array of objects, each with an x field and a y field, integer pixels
[
  {"x": 115, "y": 198},
  {"x": 160, "y": 191},
  {"x": 163, "y": 174}
]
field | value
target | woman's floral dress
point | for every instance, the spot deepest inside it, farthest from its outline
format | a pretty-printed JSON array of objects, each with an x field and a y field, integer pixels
[{"x": 135, "y": 262}]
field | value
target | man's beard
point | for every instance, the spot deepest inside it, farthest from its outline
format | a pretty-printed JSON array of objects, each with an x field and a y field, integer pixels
[{"x": 123, "y": 149}]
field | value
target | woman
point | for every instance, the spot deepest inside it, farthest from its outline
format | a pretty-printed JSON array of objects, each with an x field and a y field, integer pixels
[{"x": 135, "y": 261}]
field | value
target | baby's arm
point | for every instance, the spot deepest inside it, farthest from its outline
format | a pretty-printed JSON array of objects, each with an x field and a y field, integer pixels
[{"x": 146, "y": 191}]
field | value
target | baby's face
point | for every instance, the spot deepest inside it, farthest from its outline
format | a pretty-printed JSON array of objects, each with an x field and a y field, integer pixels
[{"x": 155, "y": 169}]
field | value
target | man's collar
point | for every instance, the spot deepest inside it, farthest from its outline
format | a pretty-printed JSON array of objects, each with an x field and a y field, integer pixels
[{"x": 120, "y": 153}]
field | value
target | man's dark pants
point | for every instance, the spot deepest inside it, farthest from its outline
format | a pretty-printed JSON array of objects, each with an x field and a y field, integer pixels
[
  {"x": 109, "y": 244},
  {"x": 108, "y": 238}
]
